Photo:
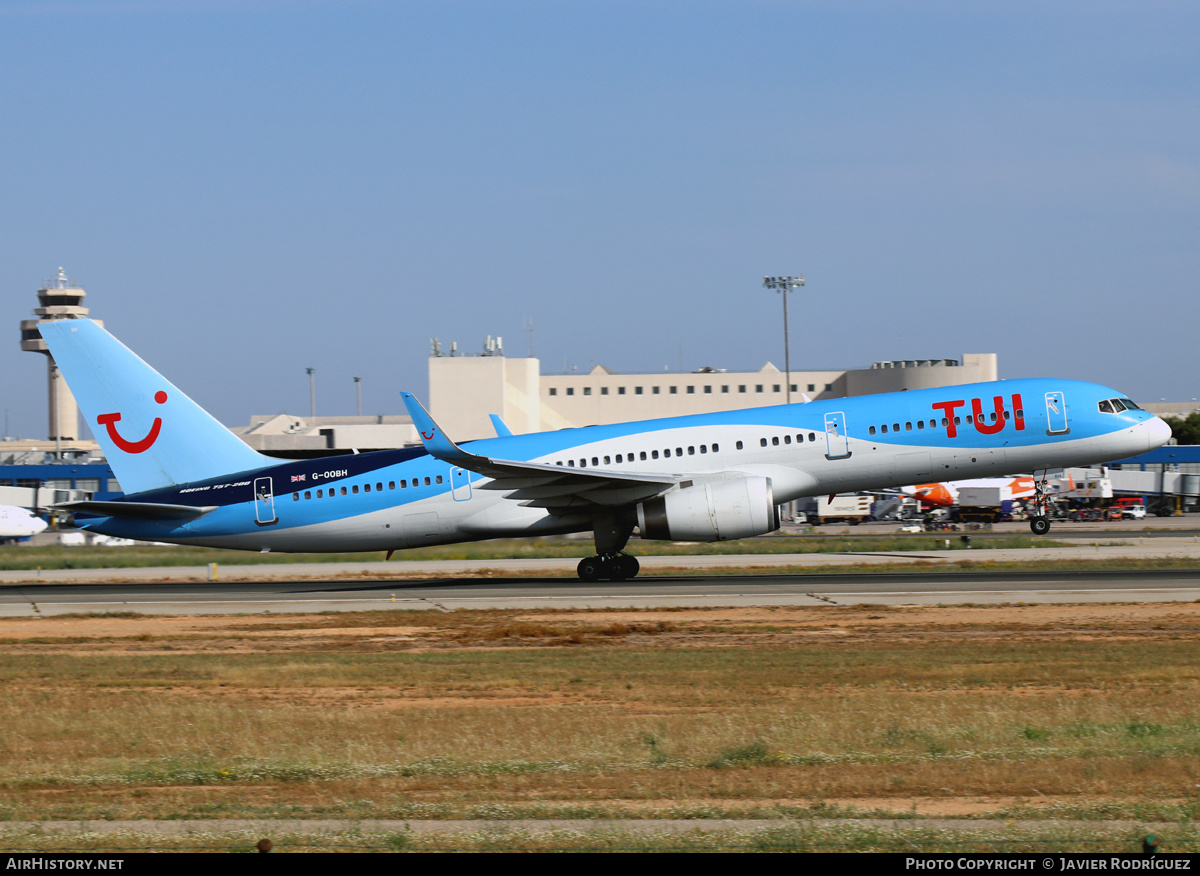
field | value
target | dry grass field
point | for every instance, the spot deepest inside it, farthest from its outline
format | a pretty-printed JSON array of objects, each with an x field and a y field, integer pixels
[{"x": 1085, "y": 712}]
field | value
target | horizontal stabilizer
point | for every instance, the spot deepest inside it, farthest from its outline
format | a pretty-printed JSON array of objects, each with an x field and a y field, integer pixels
[{"x": 137, "y": 510}]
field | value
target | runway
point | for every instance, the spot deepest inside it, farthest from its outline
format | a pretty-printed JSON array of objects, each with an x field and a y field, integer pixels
[{"x": 286, "y": 595}]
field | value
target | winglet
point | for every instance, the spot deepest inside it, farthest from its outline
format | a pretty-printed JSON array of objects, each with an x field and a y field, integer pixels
[
  {"x": 501, "y": 427},
  {"x": 432, "y": 436}
]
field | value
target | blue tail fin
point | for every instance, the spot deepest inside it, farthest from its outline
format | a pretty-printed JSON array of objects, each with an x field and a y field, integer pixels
[{"x": 152, "y": 434}]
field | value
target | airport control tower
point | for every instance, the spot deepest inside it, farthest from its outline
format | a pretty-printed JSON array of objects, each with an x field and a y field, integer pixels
[{"x": 58, "y": 300}]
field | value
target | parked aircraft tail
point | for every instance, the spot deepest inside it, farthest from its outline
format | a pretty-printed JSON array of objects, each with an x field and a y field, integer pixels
[{"x": 152, "y": 434}]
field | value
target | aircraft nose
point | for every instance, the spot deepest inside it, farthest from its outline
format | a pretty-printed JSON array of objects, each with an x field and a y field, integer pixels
[{"x": 1157, "y": 433}]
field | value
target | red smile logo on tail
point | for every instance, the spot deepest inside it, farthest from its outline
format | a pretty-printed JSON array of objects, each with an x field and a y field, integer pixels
[{"x": 109, "y": 421}]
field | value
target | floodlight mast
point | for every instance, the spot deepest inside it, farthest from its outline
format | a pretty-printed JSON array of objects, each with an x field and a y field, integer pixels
[{"x": 784, "y": 285}]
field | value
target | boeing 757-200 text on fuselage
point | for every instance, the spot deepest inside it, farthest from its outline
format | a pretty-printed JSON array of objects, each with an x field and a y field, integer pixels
[{"x": 707, "y": 477}]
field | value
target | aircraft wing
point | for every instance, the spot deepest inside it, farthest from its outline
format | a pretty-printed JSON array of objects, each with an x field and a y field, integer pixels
[{"x": 538, "y": 484}]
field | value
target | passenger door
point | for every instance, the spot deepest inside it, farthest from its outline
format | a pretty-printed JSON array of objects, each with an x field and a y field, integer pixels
[
  {"x": 837, "y": 442},
  {"x": 1056, "y": 414},
  {"x": 460, "y": 484},
  {"x": 264, "y": 502}
]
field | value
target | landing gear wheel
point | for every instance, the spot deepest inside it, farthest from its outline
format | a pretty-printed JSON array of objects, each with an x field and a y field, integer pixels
[
  {"x": 616, "y": 568},
  {"x": 623, "y": 567},
  {"x": 1039, "y": 525},
  {"x": 591, "y": 568}
]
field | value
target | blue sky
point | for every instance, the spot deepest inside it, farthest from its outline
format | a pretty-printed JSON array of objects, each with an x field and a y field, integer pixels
[{"x": 247, "y": 189}]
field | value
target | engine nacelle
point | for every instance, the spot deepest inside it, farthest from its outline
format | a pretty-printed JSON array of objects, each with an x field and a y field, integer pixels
[{"x": 717, "y": 511}]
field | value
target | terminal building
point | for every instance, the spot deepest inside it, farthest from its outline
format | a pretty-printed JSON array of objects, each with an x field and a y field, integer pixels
[{"x": 464, "y": 390}]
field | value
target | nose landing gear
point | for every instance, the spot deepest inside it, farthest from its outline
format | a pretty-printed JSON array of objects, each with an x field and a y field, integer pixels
[{"x": 1039, "y": 523}]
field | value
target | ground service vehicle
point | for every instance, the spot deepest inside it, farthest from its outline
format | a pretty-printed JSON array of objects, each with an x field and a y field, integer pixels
[{"x": 850, "y": 509}]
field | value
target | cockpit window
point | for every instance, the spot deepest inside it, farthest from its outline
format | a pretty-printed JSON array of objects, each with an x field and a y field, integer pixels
[{"x": 1116, "y": 405}]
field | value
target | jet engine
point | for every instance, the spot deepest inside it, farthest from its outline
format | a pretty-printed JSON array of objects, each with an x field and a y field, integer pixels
[{"x": 717, "y": 511}]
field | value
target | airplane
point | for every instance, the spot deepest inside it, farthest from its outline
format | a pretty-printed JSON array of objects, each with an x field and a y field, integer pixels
[
  {"x": 19, "y": 523},
  {"x": 704, "y": 477}
]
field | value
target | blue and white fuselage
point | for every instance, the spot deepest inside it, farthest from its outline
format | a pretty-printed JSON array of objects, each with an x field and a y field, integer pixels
[{"x": 701, "y": 477}]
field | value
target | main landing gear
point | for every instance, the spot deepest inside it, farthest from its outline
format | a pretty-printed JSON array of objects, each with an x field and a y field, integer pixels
[
  {"x": 618, "y": 567},
  {"x": 610, "y": 563},
  {"x": 1039, "y": 523}
]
